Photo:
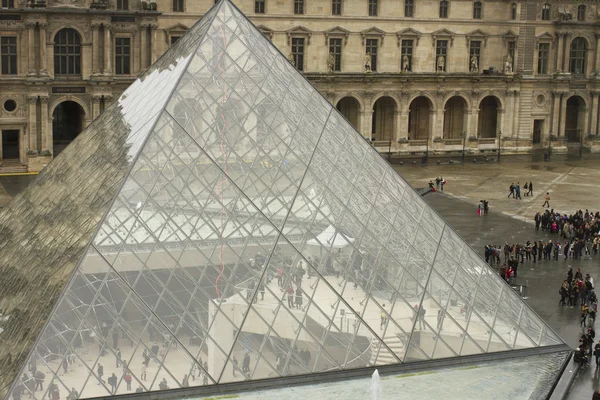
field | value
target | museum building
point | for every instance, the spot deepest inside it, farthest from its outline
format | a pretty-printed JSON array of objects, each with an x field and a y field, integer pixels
[{"x": 412, "y": 76}]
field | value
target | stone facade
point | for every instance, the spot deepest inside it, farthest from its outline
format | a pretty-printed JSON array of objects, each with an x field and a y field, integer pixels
[{"x": 493, "y": 73}]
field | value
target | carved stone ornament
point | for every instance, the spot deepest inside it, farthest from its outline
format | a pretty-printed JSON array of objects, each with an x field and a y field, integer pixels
[{"x": 68, "y": 3}]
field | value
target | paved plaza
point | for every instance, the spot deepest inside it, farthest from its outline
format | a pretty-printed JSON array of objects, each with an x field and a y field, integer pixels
[{"x": 572, "y": 185}]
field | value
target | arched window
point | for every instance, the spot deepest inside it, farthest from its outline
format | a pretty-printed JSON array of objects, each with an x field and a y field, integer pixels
[
  {"x": 67, "y": 52},
  {"x": 578, "y": 55},
  {"x": 546, "y": 12},
  {"x": 477, "y": 10},
  {"x": 443, "y": 9},
  {"x": 513, "y": 11},
  {"x": 581, "y": 13}
]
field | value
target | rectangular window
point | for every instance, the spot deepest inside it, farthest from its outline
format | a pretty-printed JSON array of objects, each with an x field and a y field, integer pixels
[
  {"x": 298, "y": 6},
  {"x": 8, "y": 3},
  {"x": 174, "y": 39},
  {"x": 441, "y": 55},
  {"x": 409, "y": 8},
  {"x": 474, "y": 55},
  {"x": 122, "y": 4},
  {"x": 444, "y": 9},
  {"x": 259, "y": 7},
  {"x": 477, "y": 10},
  {"x": 336, "y": 7},
  {"x": 8, "y": 55},
  {"x": 335, "y": 48},
  {"x": 122, "y": 56},
  {"x": 371, "y": 47},
  {"x": 373, "y": 8},
  {"x": 407, "y": 53},
  {"x": 178, "y": 6},
  {"x": 543, "y": 52},
  {"x": 298, "y": 53}
]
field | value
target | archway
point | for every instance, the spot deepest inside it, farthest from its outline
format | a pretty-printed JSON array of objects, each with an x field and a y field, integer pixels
[
  {"x": 68, "y": 121},
  {"x": 455, "y": 113},
  {"x": 419, "y": 118},
  {"x": 575, "y": 118},
  {"x": 384, "y": 114},
  {"x": 487, "y": 125},
  {"x": 350, "y": 108}
]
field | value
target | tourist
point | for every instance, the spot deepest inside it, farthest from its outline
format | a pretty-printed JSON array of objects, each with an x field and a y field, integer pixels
[{"x": 547, "y": 200}]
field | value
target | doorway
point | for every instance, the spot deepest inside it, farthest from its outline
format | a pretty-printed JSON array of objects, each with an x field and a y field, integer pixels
[
  {"x": 10, "y": 144},
  {"x": 67, "y": 122},
  {"x": 538, "y": 128}
]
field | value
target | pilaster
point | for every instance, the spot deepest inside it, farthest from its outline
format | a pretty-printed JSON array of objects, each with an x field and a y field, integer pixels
[
  {"x": 563, "y": 115},
  {"x": 559, "y": 52},
  {"x": 516, "y": 114},
  {"x": 44, "y": 140},
  {"x": 32, "y": 125},
  {"x": 565, "y": 56},
  {"x": 597, "y": 55},
  {"x": 31, "y": 67},
  {"x": 556, "y": 94},
  {"x": 107, "y": 50},
  {"x": 95, "y": 49},
  {"x": 510, "y": 111},
  {"x": 143, "y": 46},
  {"x": 43, "y": 53},
  {"x": 96, "y": 106},
  {"x": 594, "y": 113},
  {"x": 153, "y": 28}
]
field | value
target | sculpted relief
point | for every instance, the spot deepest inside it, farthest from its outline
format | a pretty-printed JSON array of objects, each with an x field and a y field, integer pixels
[{"x": 68, "y": 3}]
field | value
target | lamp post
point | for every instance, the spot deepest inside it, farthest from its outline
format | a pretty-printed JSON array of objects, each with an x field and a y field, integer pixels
[
  {"x": 499, "y": 143},
  {"x": 464, "y": 138}
]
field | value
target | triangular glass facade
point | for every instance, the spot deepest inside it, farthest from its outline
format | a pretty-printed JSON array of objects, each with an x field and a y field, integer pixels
[{"x": 231, "y": 225}]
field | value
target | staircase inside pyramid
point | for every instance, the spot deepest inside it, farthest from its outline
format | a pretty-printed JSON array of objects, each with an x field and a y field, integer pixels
[{"x": 257, "y": 235}]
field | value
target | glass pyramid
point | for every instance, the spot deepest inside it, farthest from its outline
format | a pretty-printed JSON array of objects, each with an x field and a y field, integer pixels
[{"x": 223, "y": 222}]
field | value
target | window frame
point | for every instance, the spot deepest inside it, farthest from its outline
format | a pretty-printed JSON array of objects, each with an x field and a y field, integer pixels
[
  {"x": 123, "y": 60},
  {"x": 260, "y": 6},
  {"x": 581, "y": 10},
  {"x": 438, "y": 52},
  {"x": 409, "y": 8},
  {"x": 7, "y": 4},
  {"x": 581, "y": 58},
  {"x": 122, "y": 5},
  {"x": 404, "y": 47},
  {"x": 178, "y": 5},
  {"x": 336, "y": 4},
  {"x": 299, "y": 58},
  {"x": 71, "y": 58},
  {"x": 543, "y": 71},
  {"x": 9, "y": 61},
  {"x": 373, "y": 8},
  {"x": 477, "y": 10},
  {"x": 369, "y": 45},
  {"x": 475, "y": 47},
  {"x": 546, "y": 8},
  {"x": 176, "y": 37},
  {"x": 444, "y": 8},
  {"x": 337, "y": 56},
  {"x": 299, "y": 7}
]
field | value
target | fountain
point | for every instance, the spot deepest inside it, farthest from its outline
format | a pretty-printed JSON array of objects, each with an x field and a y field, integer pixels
[{"x": 375, "y": 386}]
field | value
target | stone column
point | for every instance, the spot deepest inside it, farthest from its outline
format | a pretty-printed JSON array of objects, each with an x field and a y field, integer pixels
[
  {"x": 396, "y": 133},
  {"x": 45, "y": 128},
  {"x": 594, "y": 113},
  {"x": 515, "y": 114},
  {"x": 469, "y": 125},
  {"x": 368, "y": 124},
  {"x": 500, "y": 121},
  {"x": 558, "y": 52},
  {"x": 143, "y": 46},
  {"x": 563, "y": 115},
  {"x": 43, "y": 55},
  {"x": 153, "y": 28},
  {"x": 597, "y": 54},
  {"x": 135, "y": 66},
  {"x": 96, "y": 106},
  {"x": 107, "y": 50},
  {"x": 566, "y": 52},
  {"x": 32, "y": 124},
  {"x": 95, "y": 49},
  {"x": 31, "y": 69},
  {"x": 510, "y": 113}
]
